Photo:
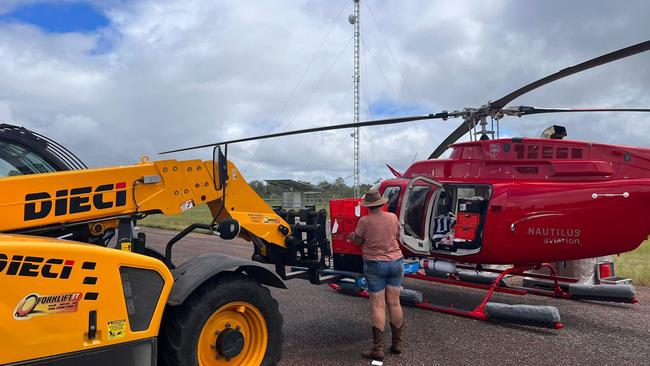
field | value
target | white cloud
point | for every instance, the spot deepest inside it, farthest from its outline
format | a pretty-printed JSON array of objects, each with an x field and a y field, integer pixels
[{"x": 181, "y": 73}]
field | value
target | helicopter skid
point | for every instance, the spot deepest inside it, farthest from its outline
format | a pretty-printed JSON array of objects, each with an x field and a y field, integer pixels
[
  {"x": 501, "y": 286},
  {"x": 561, "y": 287},
  {"x": 540, "y": 316}
]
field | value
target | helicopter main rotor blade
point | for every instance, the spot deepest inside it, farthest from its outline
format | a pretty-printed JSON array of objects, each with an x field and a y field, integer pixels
[
  {"x": 524, "y": 110},
  {"x": 521, "y": 111},
  {"x": 459, "y": 132},
  {"x": 378, "y": 122},
  {"x": 500, "y": 103},
  {"x": 600, "y": 60}
]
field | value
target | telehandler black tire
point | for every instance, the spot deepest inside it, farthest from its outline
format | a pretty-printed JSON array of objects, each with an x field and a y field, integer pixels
[{"x": 229, "y": 304}]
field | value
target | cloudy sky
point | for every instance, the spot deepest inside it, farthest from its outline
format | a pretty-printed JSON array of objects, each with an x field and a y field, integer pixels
[{"x": 115, "y": 79}]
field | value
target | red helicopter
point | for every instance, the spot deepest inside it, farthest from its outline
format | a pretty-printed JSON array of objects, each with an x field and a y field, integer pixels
[{"x": 522, "y": 202}]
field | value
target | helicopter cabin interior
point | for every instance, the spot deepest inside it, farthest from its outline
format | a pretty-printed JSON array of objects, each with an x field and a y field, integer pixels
[{"x": 445, "y": 219}]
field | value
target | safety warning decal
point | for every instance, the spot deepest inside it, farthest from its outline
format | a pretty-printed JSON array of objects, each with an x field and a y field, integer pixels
[
  {"x": 187, "y": 205},
  {"x": 116, "y": 329},
  {"x": 35, "y": 304}
]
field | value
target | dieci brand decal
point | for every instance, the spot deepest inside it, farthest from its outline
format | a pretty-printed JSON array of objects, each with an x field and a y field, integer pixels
[
  {"x": 556, "y": 235},
  {"x": 28, "y": 266},
  {"x": 40, "y": 205},
  {"x": 35, "y": 304}
]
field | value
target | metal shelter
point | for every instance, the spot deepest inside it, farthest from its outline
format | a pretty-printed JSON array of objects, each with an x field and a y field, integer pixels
[{"x": 297, "y": 194}]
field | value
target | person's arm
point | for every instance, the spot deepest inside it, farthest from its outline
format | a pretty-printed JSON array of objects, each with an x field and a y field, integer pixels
[{"x": 356, "y": 237}]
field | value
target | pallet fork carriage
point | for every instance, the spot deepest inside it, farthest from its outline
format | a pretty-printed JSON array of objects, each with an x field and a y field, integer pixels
[{"x": 80, "y": 286}]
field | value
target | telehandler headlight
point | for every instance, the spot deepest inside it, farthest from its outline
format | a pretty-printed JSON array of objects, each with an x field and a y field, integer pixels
[{"x": 228, "y": 229}]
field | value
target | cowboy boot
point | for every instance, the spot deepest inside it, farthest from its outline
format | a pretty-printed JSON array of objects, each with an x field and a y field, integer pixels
[
  {"x": 396, "y": 334},
  {"x": 377, "y": 351}
]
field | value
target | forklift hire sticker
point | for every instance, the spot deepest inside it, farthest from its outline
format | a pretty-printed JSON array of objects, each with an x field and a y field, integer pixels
[
  {"x": 116, "y": 329},
  {"x": 35, "y": 304}
]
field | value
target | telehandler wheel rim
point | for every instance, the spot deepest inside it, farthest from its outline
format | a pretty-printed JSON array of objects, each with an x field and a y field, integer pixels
[{"x": 226, "y": 325}]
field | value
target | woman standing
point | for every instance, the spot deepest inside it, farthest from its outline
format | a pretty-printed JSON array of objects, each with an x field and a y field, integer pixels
[{"x": 378, "y": 233}]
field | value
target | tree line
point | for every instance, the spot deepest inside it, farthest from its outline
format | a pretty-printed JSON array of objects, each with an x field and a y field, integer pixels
[{"x": 336, "y": 189}]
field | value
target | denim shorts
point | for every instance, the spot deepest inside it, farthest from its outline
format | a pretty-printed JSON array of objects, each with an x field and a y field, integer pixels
[{"x": 382, "y": 273}]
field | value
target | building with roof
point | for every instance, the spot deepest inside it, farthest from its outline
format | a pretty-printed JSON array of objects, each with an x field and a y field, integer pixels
[{"x": 297, "y": 195}]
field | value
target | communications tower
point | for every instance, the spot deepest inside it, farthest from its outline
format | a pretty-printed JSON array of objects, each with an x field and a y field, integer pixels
[{"x": 354, "y": 20}]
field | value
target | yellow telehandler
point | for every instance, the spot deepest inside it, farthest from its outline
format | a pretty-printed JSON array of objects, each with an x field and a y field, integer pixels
[{"x": 80, "y": 287}]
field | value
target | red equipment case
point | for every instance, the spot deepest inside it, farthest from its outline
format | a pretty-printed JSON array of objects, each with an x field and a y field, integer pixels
[
  {"x": 343, "y": 220},
  {"x": 466, "y": 225}
]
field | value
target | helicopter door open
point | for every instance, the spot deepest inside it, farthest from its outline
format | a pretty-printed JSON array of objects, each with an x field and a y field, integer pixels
[
  {"x": 419, "y": 198},
  {"x": 457, "y": 219},
  {"x": 449, "y": 219}
]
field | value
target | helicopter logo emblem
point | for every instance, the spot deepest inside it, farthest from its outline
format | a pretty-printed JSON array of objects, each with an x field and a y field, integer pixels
[{"x": 495, "y": 149}]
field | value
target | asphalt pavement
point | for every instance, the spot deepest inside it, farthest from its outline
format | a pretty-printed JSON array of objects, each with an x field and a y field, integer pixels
[{"x": 322, "y": 327}]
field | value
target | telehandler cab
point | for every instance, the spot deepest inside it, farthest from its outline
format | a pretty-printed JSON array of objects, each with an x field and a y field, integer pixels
[{"x": 79, "y": 285}]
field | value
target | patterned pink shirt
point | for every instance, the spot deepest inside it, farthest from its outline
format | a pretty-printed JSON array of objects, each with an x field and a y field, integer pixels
[{"x": 380, "y": 233}]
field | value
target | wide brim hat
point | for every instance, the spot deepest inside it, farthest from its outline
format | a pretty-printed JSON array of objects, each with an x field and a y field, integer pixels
[{"x": 372, "y": 199}]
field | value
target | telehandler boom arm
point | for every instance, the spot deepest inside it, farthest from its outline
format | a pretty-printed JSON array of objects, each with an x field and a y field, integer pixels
[{"x": 36, "y": 203}]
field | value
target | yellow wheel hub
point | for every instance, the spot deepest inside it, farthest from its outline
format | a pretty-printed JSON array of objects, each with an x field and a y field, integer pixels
[{"x": 235, "y": 334}]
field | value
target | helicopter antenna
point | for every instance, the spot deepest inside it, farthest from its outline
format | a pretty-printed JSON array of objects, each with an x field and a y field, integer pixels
[{"x": 354, "y": 20}]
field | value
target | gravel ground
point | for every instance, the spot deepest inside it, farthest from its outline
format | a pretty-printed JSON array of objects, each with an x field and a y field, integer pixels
[{"x": 325, "y": 328}]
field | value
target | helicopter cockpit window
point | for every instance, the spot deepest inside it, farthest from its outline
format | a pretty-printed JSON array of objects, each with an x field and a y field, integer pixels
[
  {"x": 416, "y": 211},
  {"x": 392, "y": 194},
  {"x": 473, "y": 193},
  {"x": 16, "y": 160}
]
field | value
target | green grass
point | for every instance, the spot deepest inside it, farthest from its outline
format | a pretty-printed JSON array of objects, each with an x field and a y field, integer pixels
[
  {"x": 200, "y": 214},
  {"x": 635, "y": 264}
]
